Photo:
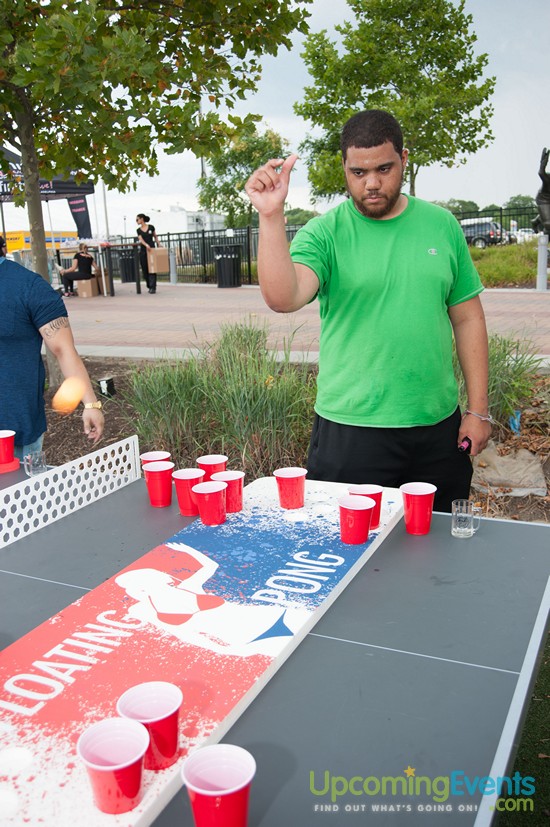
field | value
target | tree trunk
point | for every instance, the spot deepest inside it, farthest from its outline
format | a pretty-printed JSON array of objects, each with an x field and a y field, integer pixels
[
  {"x": 31, "y": 175},
  {"x": 413, "y": 171},
  {"x": 29, "y": 163}
]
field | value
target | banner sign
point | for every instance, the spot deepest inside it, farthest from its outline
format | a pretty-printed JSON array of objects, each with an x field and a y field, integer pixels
[
  {"x": 79, "y": 211},
  {"x": 215, "y": 610},
  {"x": 58, "y": 187}
]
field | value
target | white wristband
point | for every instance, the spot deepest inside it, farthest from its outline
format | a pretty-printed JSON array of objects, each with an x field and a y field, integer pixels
[{"x": 487, "y": 418}]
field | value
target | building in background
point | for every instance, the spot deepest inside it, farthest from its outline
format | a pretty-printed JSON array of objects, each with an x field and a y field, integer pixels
[
  {"x": 18, "y": 240},
  {"x": 179, "y": 220}
]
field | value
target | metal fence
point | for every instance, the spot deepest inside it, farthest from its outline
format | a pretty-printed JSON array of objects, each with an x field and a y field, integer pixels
[
  {"x": 511, "y": 220},
  {"x": 193, "y": 254},
  {"x": 194, "y": 251}
]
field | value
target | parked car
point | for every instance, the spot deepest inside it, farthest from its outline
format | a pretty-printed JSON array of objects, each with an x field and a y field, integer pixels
[
  {"x": 525, "y": 234},
  {"x": 481, "y": 232}
]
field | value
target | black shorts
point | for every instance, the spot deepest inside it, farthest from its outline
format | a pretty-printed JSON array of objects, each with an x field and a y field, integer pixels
[{"x": 392, "y": 456}]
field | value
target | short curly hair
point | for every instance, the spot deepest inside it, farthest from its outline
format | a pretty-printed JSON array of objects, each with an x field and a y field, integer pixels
[{"x": 372, "y": 127}]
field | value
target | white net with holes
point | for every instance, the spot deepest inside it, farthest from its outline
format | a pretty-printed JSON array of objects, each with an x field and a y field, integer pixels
[{"x": 44, "y": 498}]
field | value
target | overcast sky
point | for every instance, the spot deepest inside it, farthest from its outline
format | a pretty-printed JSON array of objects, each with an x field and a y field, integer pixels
[{"x": 514, "y": 35}]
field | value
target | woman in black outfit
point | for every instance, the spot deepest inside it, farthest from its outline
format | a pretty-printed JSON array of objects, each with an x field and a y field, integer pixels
[
  {"x": 147, "y": 237},
  {"x": 83, "y": 263}
]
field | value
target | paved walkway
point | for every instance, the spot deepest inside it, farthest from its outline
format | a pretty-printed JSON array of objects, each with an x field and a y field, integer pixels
[{"x": 183, "y": 317}]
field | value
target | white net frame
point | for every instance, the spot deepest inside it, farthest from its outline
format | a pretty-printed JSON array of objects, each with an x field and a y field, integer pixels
[{"x": 44, "y": 498}]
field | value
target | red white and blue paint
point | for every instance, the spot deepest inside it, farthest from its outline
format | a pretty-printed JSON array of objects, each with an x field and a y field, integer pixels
[{"x": 215, "y": 610}]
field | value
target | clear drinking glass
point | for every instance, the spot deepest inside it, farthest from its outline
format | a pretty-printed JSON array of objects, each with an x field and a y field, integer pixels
[
  {"x": 35, "y": 463},
  {"x": 466, "y": 519}
]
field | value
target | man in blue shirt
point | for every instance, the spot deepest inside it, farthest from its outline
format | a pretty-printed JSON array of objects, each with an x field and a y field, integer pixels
[{"x": 31, "y": 313}]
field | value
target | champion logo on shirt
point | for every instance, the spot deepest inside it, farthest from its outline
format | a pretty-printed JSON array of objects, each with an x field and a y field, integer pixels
[{"x": 432, "y": 251}]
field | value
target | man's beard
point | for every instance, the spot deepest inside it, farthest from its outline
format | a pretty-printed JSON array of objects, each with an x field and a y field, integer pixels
[{"x": 379, "y": 210}]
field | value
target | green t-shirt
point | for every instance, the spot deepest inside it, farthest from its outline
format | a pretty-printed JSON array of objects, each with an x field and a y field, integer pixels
[{"x": 385, "y": 288}]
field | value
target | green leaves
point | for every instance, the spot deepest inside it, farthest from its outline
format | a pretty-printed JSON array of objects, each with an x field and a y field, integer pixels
[
  {"x": 104, "y": 81},
  {"x": 95, "y": 86},
  {"x": 223, "y": 190},
  {"x": 522, "y": 202},
  {"x": 414, "y": 58}
]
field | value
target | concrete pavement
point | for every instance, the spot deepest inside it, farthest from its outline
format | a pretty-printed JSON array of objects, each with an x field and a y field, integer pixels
[{"x": 183, "y": 317}]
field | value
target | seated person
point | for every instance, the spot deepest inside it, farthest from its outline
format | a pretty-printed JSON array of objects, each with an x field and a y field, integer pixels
[{"x": 83, "y": 263}]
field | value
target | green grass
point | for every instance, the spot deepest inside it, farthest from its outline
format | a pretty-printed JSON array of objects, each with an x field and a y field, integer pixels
[
  {"x": 514, "y": 265},
  {"x": 234, "y": 398},
  {"x": 533, "y": 754}
]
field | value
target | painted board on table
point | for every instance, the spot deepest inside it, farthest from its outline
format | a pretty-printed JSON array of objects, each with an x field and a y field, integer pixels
[{"x": 215, "y": 610}]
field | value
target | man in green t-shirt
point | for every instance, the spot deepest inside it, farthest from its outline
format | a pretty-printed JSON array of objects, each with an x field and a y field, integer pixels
[{"x": 394, "y": 280}]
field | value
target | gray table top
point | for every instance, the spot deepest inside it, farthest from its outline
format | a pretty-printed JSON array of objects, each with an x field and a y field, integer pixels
[{"x": 425, "y": 661}]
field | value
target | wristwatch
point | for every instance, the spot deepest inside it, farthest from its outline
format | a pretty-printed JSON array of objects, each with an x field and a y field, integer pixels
[{"x": 88, "y": 405}]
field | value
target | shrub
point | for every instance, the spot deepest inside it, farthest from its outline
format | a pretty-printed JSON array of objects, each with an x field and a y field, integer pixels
[
  {"x": 513, "y": 372},
  {"x": 232, "y": 397},
  {"x": 514, "y": 265}
]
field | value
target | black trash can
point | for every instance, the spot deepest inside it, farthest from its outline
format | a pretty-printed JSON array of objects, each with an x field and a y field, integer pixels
[
  {"x": 227, "y": 260},
  {"x": 127, "y": 266}
]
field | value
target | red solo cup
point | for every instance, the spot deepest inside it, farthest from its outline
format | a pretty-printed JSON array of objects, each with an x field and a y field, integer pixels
[
  {"x": 154, "y": 456},
  {"x": 375, "y": 493},
  {"x": 218, "y": 780},
  {"x": 185, "y": 479},
  {"x": 235, "y": 486},
  {"x": 355, "y": 518},
  {"x": 156, "y": 705},
  {"x": 211, "y": 464},
  {"x": 418, "y": 502},
  {"x": 112, "y": 751},
  {"x": 291, "y": 484},
  {"x": 210, "y": 498},
  {"x": 7, "y": 441},
  {"x": 158, "y": 477}
]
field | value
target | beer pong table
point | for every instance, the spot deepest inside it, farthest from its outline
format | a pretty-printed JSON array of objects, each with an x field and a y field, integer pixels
[{"x": 418, "y": 663}]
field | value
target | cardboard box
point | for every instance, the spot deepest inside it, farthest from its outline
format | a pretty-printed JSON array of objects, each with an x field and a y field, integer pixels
[
  {"x": 99, "y": 278},
  {"x": 87, "y": 288},
  {"x": 157, "y": 259}
]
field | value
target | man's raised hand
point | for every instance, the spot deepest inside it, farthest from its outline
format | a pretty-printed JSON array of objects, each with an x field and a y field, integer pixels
[{"x": 267, "y": 187}]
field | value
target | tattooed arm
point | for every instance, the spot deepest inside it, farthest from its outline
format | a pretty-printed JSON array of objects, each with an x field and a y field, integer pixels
[{"x": 58, "y": 338}]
